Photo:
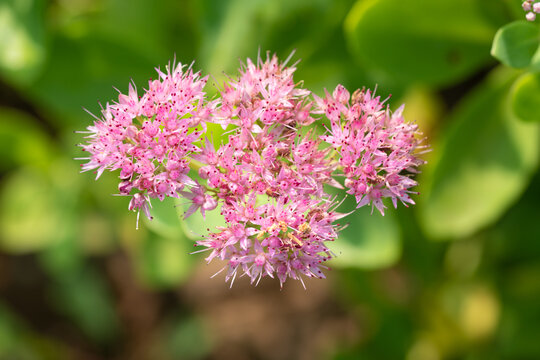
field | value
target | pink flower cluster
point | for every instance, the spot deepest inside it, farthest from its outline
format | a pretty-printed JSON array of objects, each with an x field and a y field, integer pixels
[
  {"x": 532, "y": 7},
  {"x": 150, "y": 138},
  {"x": 270, "y": 176},
  {"x": 377, "y": 149}
]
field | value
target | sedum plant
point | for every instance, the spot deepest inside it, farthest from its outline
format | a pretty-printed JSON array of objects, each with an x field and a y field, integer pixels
[{"x": 271, "y": 174}]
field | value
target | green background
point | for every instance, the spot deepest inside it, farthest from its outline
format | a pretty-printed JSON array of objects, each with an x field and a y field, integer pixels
[{"x": 455, "y": 277}]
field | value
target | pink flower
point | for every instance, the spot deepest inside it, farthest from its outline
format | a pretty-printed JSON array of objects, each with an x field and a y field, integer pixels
[
  {"x": 140, "y": 202},
  {"x": 150, "y": 138},
  {"x": 269, "y": 177},
  {"x": 531, "y": 7},
  {"x": 286, "y": 239},
  {"x": 379, "y": 150},
  {"x": 199, "y": 200}
]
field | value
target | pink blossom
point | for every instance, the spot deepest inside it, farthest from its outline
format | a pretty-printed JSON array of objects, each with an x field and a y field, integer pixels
[
  {"x": 269, "y": 177},
  {"x": 199, "y": 200},
  {"x": 284, "y": 239},
  {"x": 531, "y": 7},
  {"x": 150, "y": 138},
  {"x": 379, "y": 150}
]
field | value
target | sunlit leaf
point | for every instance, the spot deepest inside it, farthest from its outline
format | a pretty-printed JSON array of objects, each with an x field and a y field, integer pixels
[
  {"x": 525, "y": 97},
  {"x": 164, "y": 262},
  {"x": 166, "y": 221},
  {"x": 433, "y": 42},
  {"x": 370, "y": 241},
  {"x": 483, "y": 165},
  {"x": 31, "y": 217},
  {"x": 515, "y": 44},
  {"x": 196, "y": 226},
  {"x": 162, "y": 255},
  {"x": 22, "y": 39},
  {"x": 22, "y": 142}
]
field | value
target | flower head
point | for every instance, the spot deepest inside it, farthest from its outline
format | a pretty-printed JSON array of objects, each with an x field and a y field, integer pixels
[
  {"x": 270, "y": 175},
  {"x": 149, "y": 138},
  {"x": 378, "y": 149},
  {"x": 282, "y": 238},
  {"x": 532, "y": 7}
]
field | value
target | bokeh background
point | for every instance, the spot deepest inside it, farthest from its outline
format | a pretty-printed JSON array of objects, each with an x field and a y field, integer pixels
[{"x": 455, "y": 277}]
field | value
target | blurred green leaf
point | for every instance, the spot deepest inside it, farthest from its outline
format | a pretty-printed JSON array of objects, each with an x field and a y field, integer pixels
[
  {"x": 277, "y": 26},
  {"x": 516, "y": 270},
  {"x": 157, "y": 33},
  {"x": 520, "y": 225},
  {"x": 330, "y": 64},
  {"x": 483, "y": 165},
  {"x": 82, "y": 73},
  {"x": 525, "y": 97},
  {"x": 515, "y": 10},
  {"x": 162, "y": 256},
  {"x": 421, "y": 41},
  {"x": 370, "y": 241},
  {"x": 186, "y": 338},
  {"x": 515, "y": 44},
  {"x": 166, "y": 221},
  {"x": 22, "y": 39},
  {"x": 22, "y": 142},
  {"x": 31, "y": 216},
  {"x": 164, "y": 262},
  {"x": 196, "y": 226}
]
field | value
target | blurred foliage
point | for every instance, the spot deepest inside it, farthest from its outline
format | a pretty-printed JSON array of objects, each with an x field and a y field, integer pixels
[
  {"x": 525, "y": 97},
  {"x": 473, "y": 296},
  {"x": 516, "y": 44},
  {"x": 485, "y": 148},
  {"x": 445, "y": 44}
]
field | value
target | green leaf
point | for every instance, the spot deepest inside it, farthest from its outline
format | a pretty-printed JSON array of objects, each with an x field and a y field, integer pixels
[
  {"x": 161, "y": 25},
  {"x": 162, "y": 256},
  {"x": 516, "y": 43},
  {"x": 31, "y": 216},
  {"x": 521, "y": 225},
  {"x": 421, "y": 41},
  {"x": 166, "y": 221},
  {"x": 186, "y": 338},
  {"x": 525, "y": 97},
  {"x": 237, "y": 28},
  {"x": 22, "y": 142},
  {"x": 82, "y": 73},
  {"x": 164, "y": 262},
  {"x": 370, "y": 241},
  {"x": 196, "y": 226},
  {"x": 22, "y": 39},
  {"x": 483, "y": 165}
]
